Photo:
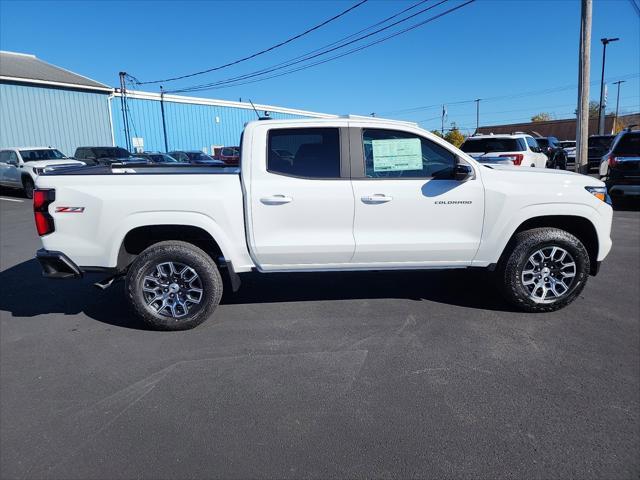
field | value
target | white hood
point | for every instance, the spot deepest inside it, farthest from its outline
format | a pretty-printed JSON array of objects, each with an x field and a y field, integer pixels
[
  {"x": 544, "y": 175},
  {"x": 48, "y": 163}
]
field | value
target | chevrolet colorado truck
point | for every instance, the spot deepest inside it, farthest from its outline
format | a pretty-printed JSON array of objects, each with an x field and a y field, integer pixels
[{"x": 348, "y": 193}]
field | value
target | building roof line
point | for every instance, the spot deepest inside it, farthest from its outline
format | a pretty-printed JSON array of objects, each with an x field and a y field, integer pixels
[
  {"x": 220, "y": 103},
  {"x": 77, "y": 86},
  {"x": 8, "y": 52}
]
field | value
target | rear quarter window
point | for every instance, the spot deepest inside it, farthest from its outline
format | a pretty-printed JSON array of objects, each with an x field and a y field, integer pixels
[
  {"x": 629, "y": 144},
  {"x": 488, "y": 145}
]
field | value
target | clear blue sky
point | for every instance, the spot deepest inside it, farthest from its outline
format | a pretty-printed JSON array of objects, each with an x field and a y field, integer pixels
[{"x": 486, "y": 49}]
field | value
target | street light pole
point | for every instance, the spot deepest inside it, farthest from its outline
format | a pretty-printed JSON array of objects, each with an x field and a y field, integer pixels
[
  {"x": 617, "y": 100},
  {"x": 601, "y": 116},
  {"x": 477, "y": 100}
]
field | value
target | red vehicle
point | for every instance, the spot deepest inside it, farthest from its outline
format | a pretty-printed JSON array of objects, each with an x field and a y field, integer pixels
[{"x": 229, "y": 155}]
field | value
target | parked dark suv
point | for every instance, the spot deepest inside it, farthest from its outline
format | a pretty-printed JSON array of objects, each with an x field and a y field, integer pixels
[
  {"x": 598, "y": 146},
  {"x": 620, "y": 168},
  {"x": 554, "y": 151},
  {"x": 106, "y": 155}
]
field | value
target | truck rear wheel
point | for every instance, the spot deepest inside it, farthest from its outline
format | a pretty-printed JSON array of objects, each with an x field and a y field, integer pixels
[
  {"x": 544, "y": 269},
  {"x": 173, "y": 286}
]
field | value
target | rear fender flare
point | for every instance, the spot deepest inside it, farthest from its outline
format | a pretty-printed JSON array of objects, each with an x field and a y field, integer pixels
[{"x": 230, "y": 251}]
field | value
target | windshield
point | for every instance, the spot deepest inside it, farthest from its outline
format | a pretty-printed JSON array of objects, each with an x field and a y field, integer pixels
[
  {"x": 542, "y": 142},
  {"x": 485, "y": 145},
  {"x": 111, "y": 152},
  {"x": 198, "y": 157},
  {"x": 44, "y": 154}
]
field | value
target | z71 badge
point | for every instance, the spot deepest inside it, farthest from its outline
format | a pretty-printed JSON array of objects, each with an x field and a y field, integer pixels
[{"x": 69, "y": 209}]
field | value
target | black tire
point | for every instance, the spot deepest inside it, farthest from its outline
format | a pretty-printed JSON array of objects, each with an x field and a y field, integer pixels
[
  {"x": 28, "y": 186},
  {"x": 517, "y": 257},
  {"x": 179, "y": 253}
]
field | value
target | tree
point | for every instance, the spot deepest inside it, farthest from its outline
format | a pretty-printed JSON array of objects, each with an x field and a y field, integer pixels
[
  {"x": 453, "y": 136},
  {"x": 541, "y": 117},
  {"x": 437, "y": 133}
]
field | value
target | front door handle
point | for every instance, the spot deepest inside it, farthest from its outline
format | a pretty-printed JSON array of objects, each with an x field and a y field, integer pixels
[
  {"x": 276, "y": 200},
  {"x": 376, "y": 198}
]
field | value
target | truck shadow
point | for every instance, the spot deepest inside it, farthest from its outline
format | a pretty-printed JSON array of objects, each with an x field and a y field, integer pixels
[{"x": 25, "y": 293}]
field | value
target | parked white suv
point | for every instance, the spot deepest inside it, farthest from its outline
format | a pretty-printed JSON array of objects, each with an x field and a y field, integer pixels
[
  {"x": 19, "y": 167},
  {"x": 517, "y": 149}
]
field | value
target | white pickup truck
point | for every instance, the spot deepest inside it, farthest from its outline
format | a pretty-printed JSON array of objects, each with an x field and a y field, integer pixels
[{"x": 345, "y": 193}]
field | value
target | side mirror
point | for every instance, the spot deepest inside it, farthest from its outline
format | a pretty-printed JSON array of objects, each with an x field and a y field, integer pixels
[{"x": 462, "y": 172}]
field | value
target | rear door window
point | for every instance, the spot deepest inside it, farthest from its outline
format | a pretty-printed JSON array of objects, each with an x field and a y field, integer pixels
[{"x": 313, "y": 152}]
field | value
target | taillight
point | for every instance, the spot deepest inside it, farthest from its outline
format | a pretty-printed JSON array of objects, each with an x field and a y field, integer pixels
[
  {"x": 613, "y": 161},
  {"x": 42, "y": 198},
  {"x": 516, "y": 158}
]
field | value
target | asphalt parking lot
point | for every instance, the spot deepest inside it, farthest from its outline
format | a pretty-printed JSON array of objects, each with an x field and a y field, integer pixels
[{"x": 404, "y": 374}]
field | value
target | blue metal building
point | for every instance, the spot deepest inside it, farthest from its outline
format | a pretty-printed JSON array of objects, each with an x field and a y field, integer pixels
[
  {"x": 191, "y": 123},
  {"x": 44, "y": 105}
]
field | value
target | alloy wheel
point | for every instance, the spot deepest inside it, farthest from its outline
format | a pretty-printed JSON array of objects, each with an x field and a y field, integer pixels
[
  {"x": 548, "y": 274},
  {"x": 172, "y": 289}
]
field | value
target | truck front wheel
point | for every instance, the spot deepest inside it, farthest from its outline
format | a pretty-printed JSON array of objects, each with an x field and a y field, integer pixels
[
  {"x": 173, "y": 286},
  {"x": 544, "y": 269}
]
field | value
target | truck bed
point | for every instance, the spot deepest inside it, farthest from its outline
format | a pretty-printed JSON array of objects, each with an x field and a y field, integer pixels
[{"x": 95, "y": 207}]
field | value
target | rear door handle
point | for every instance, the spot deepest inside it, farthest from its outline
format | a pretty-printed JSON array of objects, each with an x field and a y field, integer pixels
[
  {"x": 376, "y": 198},
  {"x": 276, "y": 200}
]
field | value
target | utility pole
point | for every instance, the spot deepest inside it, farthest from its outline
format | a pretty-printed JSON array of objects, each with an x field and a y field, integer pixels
[
  {"x": 617, "y": 101},
  {"x": 123, "y": 103},
  {"x": 584, "y": 68},
  {"x": 477, "y": 100},
  {"x": 602, "y": 106},
  {"x": 164, "y": 125},
  {"x": 444, "y": 114}
]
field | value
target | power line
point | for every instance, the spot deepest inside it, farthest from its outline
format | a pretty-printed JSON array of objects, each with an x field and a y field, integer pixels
[
  {"x": 261, "y": 52},
  {"x": 536, "y": 108},
  {"x": 322, "y": 50},
  {"x": 309, "y": 55},
  {"x": 502, "y": 97},
  {"x": 229, "y": 83},
  {"x": 635, "y": 6},
  {"x": 518, "y": 120}
]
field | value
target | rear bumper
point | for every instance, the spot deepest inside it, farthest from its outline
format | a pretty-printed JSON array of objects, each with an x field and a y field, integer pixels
[
  {"x": 57, "y": 265},
  {"x": 623, "y": 190}
]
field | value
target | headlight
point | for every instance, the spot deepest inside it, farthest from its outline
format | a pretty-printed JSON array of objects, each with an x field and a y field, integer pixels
[{"x": 600, "y": 193}]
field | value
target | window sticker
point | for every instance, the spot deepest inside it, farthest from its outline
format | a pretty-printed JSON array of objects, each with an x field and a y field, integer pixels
[{"x": 397, "y": 154}]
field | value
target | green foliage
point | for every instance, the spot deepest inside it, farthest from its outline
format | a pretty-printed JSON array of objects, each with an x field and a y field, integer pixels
[
  {"x": 437, "y": 133},
  {"x": 454, "y": 136},
  {"x": 541, "y": 117}
]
